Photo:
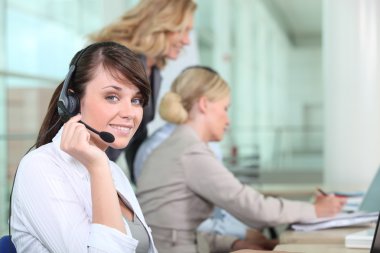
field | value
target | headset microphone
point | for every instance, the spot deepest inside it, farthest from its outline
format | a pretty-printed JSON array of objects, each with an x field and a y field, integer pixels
[
  {"x": 69, "y": 105},
  {"x": 105, "y": 136}
]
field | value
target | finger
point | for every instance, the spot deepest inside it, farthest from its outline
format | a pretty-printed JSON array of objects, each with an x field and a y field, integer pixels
[
  {"x": 66, "y": 126},
  {"x": 70, "y": 132},
  {"x": 75, "y": 118}
]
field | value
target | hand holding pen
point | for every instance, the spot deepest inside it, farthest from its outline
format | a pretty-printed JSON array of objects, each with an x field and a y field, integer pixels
[{"x": 327, "y": 205}]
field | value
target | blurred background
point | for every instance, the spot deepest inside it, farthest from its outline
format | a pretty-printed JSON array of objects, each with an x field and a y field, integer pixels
[{"x": 304, "y": 76}]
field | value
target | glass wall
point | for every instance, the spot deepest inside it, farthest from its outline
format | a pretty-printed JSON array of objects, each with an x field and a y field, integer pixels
[{"x": 276, "y": 82}]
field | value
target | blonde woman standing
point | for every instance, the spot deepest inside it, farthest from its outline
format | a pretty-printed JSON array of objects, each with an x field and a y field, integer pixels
[
  {"x": 182, "y": 180},
  {"x": 157, "y": 30}
]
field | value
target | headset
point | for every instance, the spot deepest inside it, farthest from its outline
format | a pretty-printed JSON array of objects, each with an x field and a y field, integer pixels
[{"x": 68, "y": 103}]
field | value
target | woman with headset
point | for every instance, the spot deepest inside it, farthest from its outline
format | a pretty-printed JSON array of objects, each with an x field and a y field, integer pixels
[
  {"x": 184, "y": 175},
  {"x": 157, "y": 30},
  {"x": 68, "y": 196}
]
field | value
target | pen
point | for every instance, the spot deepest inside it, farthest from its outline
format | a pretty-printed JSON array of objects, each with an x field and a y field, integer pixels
[
  {"x": 322, "y": 192},
  {"x": 326, "y": 194}
]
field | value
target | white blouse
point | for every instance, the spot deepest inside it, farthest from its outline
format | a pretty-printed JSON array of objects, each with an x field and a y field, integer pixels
[{"x": 52, "y": 208}]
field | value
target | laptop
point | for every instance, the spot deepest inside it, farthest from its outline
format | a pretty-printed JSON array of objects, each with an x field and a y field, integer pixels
[
  {"x": 366, "y": 239},
  {"x": 364, "y": 202},
  {"x": 371, "y": 199}
]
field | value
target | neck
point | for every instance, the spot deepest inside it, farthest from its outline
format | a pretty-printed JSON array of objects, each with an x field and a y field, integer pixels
[{"x": 199, "y": 128}]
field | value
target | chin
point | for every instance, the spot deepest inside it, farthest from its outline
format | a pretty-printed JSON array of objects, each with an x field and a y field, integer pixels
[
  {"x": 173, "y": 55},
  {"x": 216, "y": 138},
  {"x": 119, "y": 144}
]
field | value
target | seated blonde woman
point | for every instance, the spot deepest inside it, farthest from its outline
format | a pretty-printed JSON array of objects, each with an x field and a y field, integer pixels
[{"x": 182, "y": 180}]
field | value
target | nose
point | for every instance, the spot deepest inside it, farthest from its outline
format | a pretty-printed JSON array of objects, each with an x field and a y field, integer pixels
[
  {"x": 186, "y": 38},
  {"x": 227, "y": 121},
  {"x": 128, "y": 111}
]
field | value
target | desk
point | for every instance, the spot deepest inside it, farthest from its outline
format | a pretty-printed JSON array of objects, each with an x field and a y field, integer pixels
[
  {"x": 326, "y": 241},
  {"x": 318, "y": 248}
]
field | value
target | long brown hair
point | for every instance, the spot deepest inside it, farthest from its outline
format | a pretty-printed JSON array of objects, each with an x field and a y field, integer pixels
[{"x": 122, "y": 64}]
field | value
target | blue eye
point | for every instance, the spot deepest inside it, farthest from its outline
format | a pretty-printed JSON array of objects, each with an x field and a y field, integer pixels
[
  {"x": 112, "y": 98},
  {"x": 137, "y": 101}
]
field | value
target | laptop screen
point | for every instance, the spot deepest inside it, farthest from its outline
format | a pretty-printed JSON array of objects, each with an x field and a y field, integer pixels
[
  {"x": 376, "y": 239},
  {"x": 371, "y": 201}
]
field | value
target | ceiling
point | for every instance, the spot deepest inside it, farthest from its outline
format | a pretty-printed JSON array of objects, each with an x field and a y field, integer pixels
[{"x": 301, "y": 19}]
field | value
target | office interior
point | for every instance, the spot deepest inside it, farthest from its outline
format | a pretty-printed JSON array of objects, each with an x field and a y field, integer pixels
[{"x": 304, "y": 76}]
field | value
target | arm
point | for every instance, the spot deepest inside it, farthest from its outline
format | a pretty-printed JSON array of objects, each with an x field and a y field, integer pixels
[
  {"x": 52, "y": 211},
  {"x": 54, "y": 207},
  {"x": 210, "y": 179},
  {"x": 105, "y": 204}
]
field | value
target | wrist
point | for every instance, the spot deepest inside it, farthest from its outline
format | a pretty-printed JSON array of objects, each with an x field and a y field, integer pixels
[
  {"x": 236, "y": 245},
  {"x": 98, "y": 168}
]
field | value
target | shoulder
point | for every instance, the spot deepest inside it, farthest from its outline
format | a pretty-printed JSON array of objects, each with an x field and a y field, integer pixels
[
  {"x": 44, "y": 164},
  {"x": 42, "y": 172},
  {"x": 39, "y": 157}
]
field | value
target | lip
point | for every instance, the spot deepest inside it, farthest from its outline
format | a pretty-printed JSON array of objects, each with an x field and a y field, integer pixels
[{"x": 122, "y": 128}]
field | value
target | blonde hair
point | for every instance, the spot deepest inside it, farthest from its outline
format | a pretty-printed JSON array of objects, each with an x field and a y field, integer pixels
[
  {"x": 187, "y": 88},
  {"x": 145, "y": 28}
]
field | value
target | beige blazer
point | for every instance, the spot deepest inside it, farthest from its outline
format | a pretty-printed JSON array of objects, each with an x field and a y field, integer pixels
[{"x": 182, "y": 181}]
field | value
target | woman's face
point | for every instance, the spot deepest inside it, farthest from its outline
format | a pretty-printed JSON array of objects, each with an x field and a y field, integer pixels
[
  {"x": 177, "y": 40},
  {"x": 112, "y": 106},
  {"x": 217, "y": 120}
]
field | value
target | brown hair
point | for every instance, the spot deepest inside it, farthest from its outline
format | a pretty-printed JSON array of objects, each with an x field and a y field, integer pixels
[{"x": 118, "y": 60}]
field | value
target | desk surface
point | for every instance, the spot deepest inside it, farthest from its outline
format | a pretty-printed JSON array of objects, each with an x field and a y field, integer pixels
[
  {"x": 326, "y": 241},
  {"x": 318, "y": 248},
  {"x": 330, "y": 236}
]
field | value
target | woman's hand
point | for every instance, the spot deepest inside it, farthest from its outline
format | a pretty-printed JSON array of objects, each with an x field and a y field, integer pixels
[
  {"x": 76, "y": 142},
  {"x": 328, "y": 205},
  {"x": 255, "y": 240}
]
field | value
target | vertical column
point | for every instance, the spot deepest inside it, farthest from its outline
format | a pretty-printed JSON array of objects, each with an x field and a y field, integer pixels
[
  {"x": 222, "y": 50},
  {"x": 351, "y": 58},
  {"x": 243, "y": 88},
  {"x": 4, "y": 193}
]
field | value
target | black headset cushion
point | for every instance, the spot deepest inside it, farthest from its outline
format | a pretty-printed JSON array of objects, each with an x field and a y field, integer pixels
[{"x": 73, "y": 104}]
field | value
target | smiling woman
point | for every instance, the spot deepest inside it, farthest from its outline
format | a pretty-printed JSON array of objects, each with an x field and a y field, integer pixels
[
  {"x": 118, "y": 105},
  {"x": 68, "y": 196}
]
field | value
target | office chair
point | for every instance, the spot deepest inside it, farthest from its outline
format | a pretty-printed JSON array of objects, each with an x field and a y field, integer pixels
[{"x": 6, "y": 245}]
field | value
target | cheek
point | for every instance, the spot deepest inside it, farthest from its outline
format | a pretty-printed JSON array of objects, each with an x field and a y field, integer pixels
[
  {"x": 139, "y": 114},
  {"x": 174, "y": 40}
]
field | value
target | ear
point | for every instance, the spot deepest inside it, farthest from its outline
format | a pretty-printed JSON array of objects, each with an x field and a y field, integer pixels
[{"x": 203, "y": 104}]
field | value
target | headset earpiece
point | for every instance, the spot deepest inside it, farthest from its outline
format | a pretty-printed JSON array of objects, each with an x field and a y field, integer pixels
[
  {"x": 68, "y": 102},
  {"x": 73, "y": 103}
]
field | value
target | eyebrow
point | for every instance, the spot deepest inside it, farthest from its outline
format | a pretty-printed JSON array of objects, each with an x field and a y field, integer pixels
[
  {"x": 118, "y": 88},
  {"x": 112, "y": 86}
]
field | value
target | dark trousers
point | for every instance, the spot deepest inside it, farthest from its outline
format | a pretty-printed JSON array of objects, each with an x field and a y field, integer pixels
[{"x": 130, "y": 151}]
